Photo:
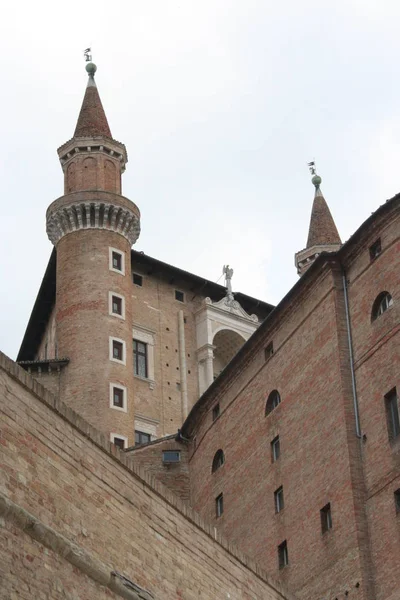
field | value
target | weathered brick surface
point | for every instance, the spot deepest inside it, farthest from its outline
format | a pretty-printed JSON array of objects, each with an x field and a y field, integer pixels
[{"x": 58, "y": 468}]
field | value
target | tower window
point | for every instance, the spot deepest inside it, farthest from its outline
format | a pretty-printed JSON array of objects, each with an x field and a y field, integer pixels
[
  {"x": 275, "y": 449},
  {"x": 119, "y": 440},
  {"x": 375, "y": 249},
  {"x": 142, "y": 438},
  {"x": 278, "y": 497},
  {"x": 392, "y": 414},
  {"x": 269, "y": 350},
  {"x": 137, "y": 279},
  {"x": 116, "y": 305},
  {"x": 215, "y": 412},
  {"x": 118, "y": 396},
  {"x": 117, "y": 350},
  {"x": 180, "y": 296},
  {"x": 283, "y": 556},
  {"x": 218, "y": 461},
  {"x": 273, "y": 400},
  {"x": 326, "y": 518},
  {"x": 140, "y": 359},
  {"x": 397, "y": 500},
  {"x": 117, "y": 261},
  {"x": 219, "y": 505},
  {"x": 382, "y": 303}
]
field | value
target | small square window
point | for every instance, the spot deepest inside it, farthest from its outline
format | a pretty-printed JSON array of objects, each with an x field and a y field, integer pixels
[
  {"x": 375, "y": 249},
  {"x": 118, "y": 397},
  {"x": 137, "y": 279},
  {"x": 219, "y": 505},
  {"x": 269, "y": 350},
  {"x": 116, "y": 305},
  {"x": 279, "y": 502},
  {"x": 171, "y": 456},
  {"x": 275, "y": 449},
  {"x": 142, "y": 438},
  {"x": 283, "y": 556},
  {"x": 215, "y": 412},
  {"x": 392, "y": 414},
  {"x": 119, "y": 442},
  {"x": 180, "y": 296},
  {"x": 326, "y": 518},
  {"x": 397, "y": 500},
  {"x": 117, "y": 261}
]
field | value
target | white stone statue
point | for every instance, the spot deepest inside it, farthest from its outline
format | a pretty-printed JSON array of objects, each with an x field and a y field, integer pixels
[{"x": 228, "y": 278}]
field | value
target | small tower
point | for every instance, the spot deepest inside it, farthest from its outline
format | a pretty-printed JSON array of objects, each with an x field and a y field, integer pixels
[
  {"x": 323, "y": 235},
  {"x": 93, "y": 228}
]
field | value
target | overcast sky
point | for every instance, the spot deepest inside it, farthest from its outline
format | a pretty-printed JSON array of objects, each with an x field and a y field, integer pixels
[{"x": 220, "y": 103}]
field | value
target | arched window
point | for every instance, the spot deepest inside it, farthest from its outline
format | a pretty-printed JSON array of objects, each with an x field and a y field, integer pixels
[
  {"x": 218, "y": 461},
  {"x": 273, "y": 400},
  {"x": 381, "y": 304}
]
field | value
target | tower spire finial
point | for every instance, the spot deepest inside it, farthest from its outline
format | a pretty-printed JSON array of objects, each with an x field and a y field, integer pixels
[{"x": 316, "y": 179}]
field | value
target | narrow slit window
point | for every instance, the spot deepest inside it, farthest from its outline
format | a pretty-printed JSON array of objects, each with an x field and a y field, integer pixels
[
  {"x": 275, "y": 448},
  {"x": 326, "y": 518},
  {"x": 283, "y": 556},
  {"x": 279, "y": 501},
  {"x": 219, "y": 505}
]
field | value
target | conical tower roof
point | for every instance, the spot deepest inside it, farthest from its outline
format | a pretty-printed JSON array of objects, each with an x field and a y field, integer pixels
[
  {"x": 322, "y": 231},
  {"x": 92, "y": 120}
]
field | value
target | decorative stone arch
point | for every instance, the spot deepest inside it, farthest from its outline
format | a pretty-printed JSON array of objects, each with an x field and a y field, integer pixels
[{"x": 221, "y": 329}]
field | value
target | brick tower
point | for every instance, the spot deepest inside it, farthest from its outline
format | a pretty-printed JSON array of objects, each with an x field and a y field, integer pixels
[
  {"x": 323, "y": 235},
  {"x": 93, "y": 228}
]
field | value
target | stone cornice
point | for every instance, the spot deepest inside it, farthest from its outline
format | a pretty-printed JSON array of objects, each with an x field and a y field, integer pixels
[{"x": 92, "y": 210}]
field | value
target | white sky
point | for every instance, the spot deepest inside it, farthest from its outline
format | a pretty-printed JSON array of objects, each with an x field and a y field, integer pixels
[{"x": 220, "y": 103}]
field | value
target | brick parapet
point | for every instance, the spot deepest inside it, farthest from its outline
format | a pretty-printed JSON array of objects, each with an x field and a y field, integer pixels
[{"x": 97, "y": 438}]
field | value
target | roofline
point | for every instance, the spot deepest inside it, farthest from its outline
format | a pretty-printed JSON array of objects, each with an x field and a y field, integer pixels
[{"x": 258, "y": 334}]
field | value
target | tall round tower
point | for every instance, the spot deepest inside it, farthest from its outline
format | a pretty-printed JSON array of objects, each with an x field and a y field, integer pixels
[{"x": 93, "y": 228}]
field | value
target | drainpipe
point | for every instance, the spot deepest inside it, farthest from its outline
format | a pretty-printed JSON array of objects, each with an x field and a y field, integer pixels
[
  {"x": 182, "y": 364},
  {"x": 350, "y": 343}
]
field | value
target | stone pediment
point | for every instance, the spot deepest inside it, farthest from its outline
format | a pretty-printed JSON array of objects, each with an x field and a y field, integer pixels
[{"x": 231, "y": 306}]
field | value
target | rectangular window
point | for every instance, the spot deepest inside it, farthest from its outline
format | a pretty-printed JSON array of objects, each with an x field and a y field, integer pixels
[
  {"x": 140, "y": 358},
  {"x": 392, "y": 414},
  {"x": 397, "y": 500},
  {"x": 117, "y": 261},
  {"x": 375, "y": 249},
  {"x": 118, "y": 350},
  {"x": 326, "y": 518},
  {"x": 180, "y": 296},
  {"x": 279, "y": 503},
  {"x": 137, "y": 279},
  {"x": 269, "y": 350},
  {"x": 275, "y": 449},
  {"x": 119, "y": 440},
  {"x": 171, "y": 456},
  {"x": 116, "y": 306},
  {"x": 118, "y": 397},
  {"x": 215, "y": 412},
  {"x": 142, "y": 438},
  {"x": 219, "y": 505},
  {"x": 283, "y": 556}
]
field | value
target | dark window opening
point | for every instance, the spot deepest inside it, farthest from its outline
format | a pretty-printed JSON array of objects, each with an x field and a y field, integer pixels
[
  {"x": 279, "y": 502},
  {"x": 215, "y": 412},
  {"x": 375, "y": 249},
  {"x": 137, "y": 279},
  {"x": 117, "y": 305},
  {"x": 218, "y": 461},
  {"x": 392, "y": 414},
  {"x": 283, "y": 556},
  {"x": 141, "y": 438},
  {"x": 171, "y": 456},
  {"x": 269, "y": 350},
  {"x": 397, "y": 500},
  {"x": 219, "y": 505},
  {"x": 119, "y": 442},
  {"x": 118, "y": 397},
  {"x": 140, "y": 358},
  {"x": 180, "y": 296},
  {"x": 326, "y": 518},
  {"x": 118, "y": 350},
  {"x": 382, "y": 303},
  {"x": 275, "y": 449},
  {"x": 117, "y": 261},
  {"x": 273, "y": 400}
]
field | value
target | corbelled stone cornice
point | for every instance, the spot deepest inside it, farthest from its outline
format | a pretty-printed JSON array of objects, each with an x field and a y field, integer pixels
[{"x": 92, "y": 210}]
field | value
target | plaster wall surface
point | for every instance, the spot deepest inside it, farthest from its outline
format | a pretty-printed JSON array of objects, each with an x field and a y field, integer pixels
[{"x": 84, "y": 492}]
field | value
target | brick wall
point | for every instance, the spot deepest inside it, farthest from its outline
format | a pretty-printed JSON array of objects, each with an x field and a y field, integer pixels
[{"x": 87, "y": 501}]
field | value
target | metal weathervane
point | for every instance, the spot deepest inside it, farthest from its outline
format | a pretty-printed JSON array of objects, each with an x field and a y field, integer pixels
[
  {"x": 312, "y": 167},
  {"x": 87, "y": 54}
]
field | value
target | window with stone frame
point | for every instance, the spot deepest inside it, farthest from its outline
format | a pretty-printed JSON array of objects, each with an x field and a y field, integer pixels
[{"x": 140, "y": 366}]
